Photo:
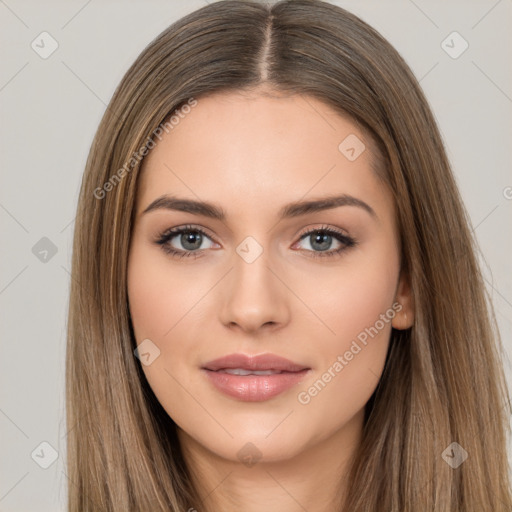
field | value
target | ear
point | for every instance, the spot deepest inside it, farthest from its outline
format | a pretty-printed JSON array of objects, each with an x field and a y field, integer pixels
[{"x": 404, "y": 318}]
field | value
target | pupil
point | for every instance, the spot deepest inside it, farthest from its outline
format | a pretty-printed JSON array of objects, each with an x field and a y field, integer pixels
[
  {"x": 322, "y": 241},
  {"x": 193, "y": 238}
]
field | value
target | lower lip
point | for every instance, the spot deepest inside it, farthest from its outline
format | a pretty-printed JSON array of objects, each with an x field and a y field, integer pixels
[{"x": 254, "y": 388}]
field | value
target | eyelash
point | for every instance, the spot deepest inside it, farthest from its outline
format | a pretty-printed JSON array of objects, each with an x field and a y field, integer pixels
[{"x": 165, "y": 237}]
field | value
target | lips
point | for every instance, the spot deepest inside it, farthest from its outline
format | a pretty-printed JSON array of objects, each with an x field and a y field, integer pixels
[
  {"x": 259, "y": 363},
  {"x": 254, "y": 378}
]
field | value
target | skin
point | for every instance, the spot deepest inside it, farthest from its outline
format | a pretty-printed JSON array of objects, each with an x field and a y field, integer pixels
[{"x": 251, "y": 154}]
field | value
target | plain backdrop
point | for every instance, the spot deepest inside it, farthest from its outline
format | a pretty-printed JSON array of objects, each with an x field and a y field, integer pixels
[{"x": 51, "y": 107}]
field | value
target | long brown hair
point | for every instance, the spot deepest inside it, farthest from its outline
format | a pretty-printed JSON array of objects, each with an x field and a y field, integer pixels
[{"x": 443, "y": 381}]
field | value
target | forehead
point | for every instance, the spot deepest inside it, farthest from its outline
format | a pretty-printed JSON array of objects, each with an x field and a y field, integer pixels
[{"x": 253, "y": 150}]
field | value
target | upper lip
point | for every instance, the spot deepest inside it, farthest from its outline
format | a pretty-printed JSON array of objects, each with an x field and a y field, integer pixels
[{"x": 256, "y": 362}]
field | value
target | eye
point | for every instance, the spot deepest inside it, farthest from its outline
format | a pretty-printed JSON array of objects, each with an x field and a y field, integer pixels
[
  {"x": 190, "y": 238},
  {"x": 321, "y": 239}
]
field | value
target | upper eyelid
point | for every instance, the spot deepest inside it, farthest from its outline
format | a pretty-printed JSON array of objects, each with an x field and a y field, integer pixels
[{"x": 188, "y": 227}]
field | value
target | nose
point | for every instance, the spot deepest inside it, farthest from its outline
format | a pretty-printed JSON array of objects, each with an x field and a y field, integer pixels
[{"x": 254, "y": 296}]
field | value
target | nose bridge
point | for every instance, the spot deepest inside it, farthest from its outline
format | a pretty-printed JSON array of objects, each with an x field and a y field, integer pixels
[{"x": 254, "y": 296}]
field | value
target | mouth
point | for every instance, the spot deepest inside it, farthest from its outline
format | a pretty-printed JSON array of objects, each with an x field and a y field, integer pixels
[
  {"x": 254, "y": 378},
  {"x": 243, "y": 371}
]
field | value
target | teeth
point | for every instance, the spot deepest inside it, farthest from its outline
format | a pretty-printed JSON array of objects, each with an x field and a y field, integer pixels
[{"x": 240, "y": 371}]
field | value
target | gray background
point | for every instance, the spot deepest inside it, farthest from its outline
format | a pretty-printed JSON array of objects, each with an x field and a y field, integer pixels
[{"x": 50, "y": 109}]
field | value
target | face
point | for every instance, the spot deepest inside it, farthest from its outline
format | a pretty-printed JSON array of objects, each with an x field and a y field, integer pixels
[{"x": 319, "y": 286}]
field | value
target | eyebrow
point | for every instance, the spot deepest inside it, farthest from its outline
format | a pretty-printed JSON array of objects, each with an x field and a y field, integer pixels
[{"x": 291, "y": 210}]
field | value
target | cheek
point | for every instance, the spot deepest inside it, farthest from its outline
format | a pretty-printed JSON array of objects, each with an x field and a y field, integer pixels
[
  {"x": 356, "y": 303},
  {"x": 159, "y": 295},
  {"x": 164, "y": 302},
  {"x": 352, "y": 295},
  {"x": 148, "y": 298}
]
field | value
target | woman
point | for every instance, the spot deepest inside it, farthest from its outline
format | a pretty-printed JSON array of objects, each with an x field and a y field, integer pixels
[{"x": 276, "y": 303}]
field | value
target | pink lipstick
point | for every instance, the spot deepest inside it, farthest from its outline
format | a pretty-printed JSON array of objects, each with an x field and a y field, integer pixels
[{"x": 254, "y": 378}]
